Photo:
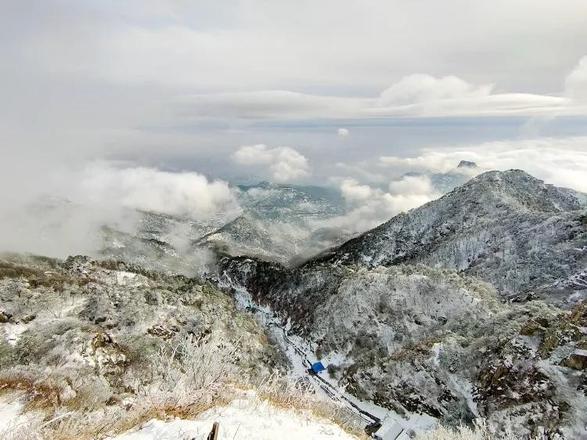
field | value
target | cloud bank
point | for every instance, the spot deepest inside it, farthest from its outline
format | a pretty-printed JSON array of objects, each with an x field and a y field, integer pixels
[
  {"x": 182, "y": 194},
  {"x": 562, "y": 162},
  {"x": 69, "y": 216},
  {"x": 370, "y": 206},
  {"x": 417, "y": 95},
  {"x": 285, "y": 164}
]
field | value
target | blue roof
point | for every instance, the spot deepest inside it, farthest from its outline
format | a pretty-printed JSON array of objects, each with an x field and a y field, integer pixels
[{"x": 317, "y": 367}]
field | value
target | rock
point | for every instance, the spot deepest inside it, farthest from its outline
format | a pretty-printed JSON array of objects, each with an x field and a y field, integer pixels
[
  {"x": 163, "y": 331},
  {"x": 5, "y": 317},
  {"x": 28, "y": 318},
  {"x": 577, "y": 360},
  {"x": 152, "y": 298},
  {"x": 101, "y": 340}
]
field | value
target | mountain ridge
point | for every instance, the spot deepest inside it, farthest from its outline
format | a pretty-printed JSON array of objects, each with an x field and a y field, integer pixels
[{"x": 504, "y": 219}]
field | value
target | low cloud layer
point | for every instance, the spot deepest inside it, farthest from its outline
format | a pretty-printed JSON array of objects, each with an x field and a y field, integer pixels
[
  {"x": 562, "y": 162},
  {"x": 370, "y": 206},
  {"x": 182, "y": 194},
  {"x": 284, "y": 163},
  {"x": 68, "y": 217}
]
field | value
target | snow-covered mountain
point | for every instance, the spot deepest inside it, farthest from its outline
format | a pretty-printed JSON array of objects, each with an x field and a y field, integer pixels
[
  {"x": 279, "y": 223},
  {"x": 411, "y": 315},
  {"x": 469, "y": 306},
  {"x": 507, "y": 228}
]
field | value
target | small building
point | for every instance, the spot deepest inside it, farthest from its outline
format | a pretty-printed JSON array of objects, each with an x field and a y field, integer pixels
[{"x": 317, "y": 367}]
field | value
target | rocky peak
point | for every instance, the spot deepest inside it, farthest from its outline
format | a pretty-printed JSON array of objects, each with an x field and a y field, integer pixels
[
  {"x": 505, "y": 227},
  {"x": 467, "y": 164},
  {"x": 514, "y": 189}
]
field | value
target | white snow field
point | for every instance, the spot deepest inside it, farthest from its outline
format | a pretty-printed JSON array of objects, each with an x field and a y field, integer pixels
[{"x": 243, "y": 419}]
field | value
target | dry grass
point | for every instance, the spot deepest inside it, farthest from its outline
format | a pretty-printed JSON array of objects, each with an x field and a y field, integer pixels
[
  {"x": 39, "y": 394},
  {"x": 184, "y": 378}
]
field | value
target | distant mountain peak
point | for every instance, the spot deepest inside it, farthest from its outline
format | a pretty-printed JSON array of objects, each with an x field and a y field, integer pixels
[{"x": 467, "y": 164}]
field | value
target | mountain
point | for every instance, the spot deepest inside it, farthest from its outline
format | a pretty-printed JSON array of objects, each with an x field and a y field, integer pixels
[
  {"x": 421, "y": 340},
  {"x": 280, "y": 202},
  {"x": 444, "y": 182},
  {"x": 276, "y": 222},
  {"x": 279, "y": 223},
  {"x": 469, "y": 306},
  {"x": 507, "y": 228}
]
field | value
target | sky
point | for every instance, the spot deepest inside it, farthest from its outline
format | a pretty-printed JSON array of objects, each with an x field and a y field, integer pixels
[{"x": 320, "y": 92}]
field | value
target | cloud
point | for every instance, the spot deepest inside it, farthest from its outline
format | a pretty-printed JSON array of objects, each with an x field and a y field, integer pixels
[
  {"x": 343, "y": 132},
  {"x": 183, "y": 194},
  {"x": 68, "y": 216},
  {"x": 355, "y": 193},
  {"x": 420, "y": 88},
  {"x": 370, "y": 206},
  {"x": 559, "y": 161},
  {"x": 194, "y": 45},
  {"x": 576, "y": 82},
  {"x": 416, "y": 95},
  {"x": 411, "y": 185},
  {"x": 269, "y": 104},
  {"x": 285, "y": 164}
]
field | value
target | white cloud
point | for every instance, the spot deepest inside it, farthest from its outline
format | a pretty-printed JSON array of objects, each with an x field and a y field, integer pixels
[
  {"x": 184, "y": 194},
  {"x": 370, "y": 206},
  {"x": 355, "y": 193},
  {"x": 343, "y": 132},
  {"x": 576, "y": 82},
  {"x": 560, "y": 161},
  {"x": 411, "y": 185},
  {"x": 431, "y": 160},
  {"x": 67, "y": 218},
  {"x": 423, "y": 95},
  {"x": 285, "y": 163},
  {"x": 413, "y": 96},
  {"x": 421, "y": 88}
]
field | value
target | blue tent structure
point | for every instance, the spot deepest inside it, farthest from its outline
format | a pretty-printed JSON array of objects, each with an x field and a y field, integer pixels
[{"x": 317, "y": 367}]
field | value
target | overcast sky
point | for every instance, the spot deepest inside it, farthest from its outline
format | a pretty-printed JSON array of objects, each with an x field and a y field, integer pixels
[{"x": 302, "y": 91}]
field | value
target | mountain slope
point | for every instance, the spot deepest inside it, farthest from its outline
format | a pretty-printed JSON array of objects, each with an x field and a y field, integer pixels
[
  {"x": 415, "y": 339},
  {"x": 279, "y": 223},
  {"x": 400, "y": 321},
  {"x": 507, "y": 228}
]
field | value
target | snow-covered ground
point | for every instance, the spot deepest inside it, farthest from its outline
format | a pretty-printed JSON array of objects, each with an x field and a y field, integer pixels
[
  {"x": 243, "y": 419},
  {"x": 12, "y": 417}
]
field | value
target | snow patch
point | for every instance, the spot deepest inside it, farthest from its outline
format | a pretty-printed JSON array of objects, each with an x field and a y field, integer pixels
[
  {"x": 12, "y": 419},
  {"x": 247, "y": 418},
  {"x": 12, "y": 332}
]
